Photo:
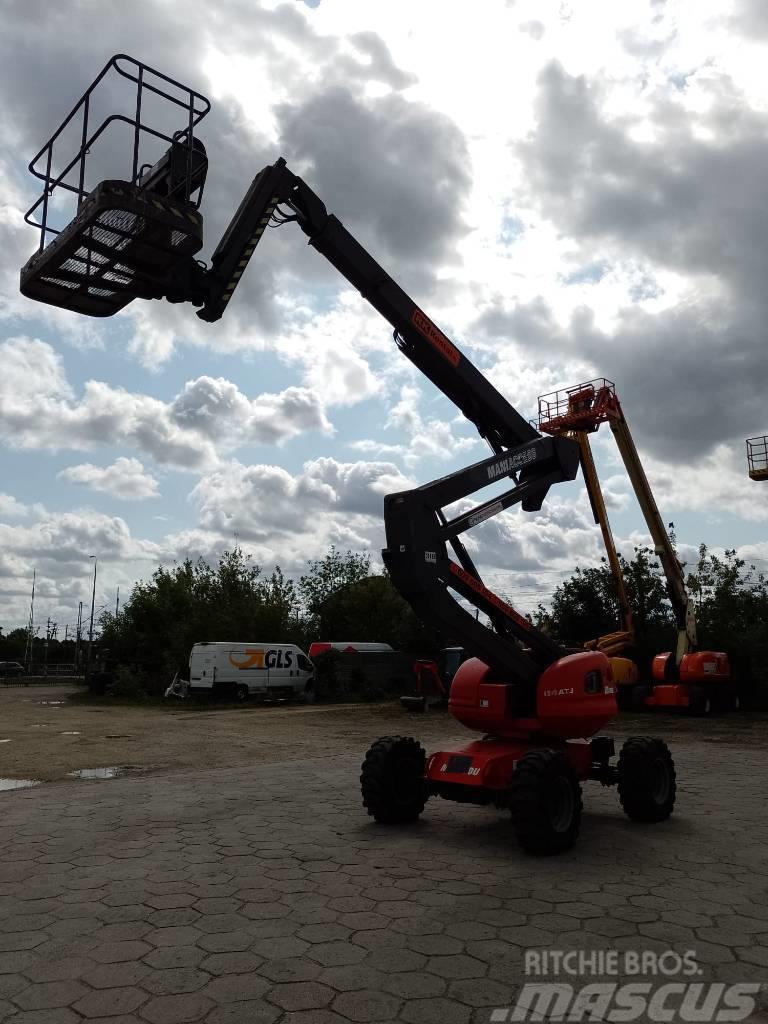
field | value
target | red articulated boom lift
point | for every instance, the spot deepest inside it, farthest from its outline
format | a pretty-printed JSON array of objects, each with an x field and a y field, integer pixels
[
  {"x": 688, "y": 677},
  {"x": 537, "y": 707}
]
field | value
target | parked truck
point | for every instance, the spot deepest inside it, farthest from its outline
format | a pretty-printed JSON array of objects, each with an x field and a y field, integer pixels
[{"x": 242, "y": 670}]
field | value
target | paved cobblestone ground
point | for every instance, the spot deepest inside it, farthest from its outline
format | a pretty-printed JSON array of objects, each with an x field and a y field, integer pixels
[{"x": 265, "y": 896}]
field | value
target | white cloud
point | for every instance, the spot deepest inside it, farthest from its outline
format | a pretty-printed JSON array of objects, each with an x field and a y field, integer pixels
[
  {"x": 39, "y": 409},
  {"x": 125, "y": 478},
  {"x": 428, "y": 438},
  {"x": 12, "y": 508},
  {"x": 57, "y": 547},
  {"x": 288, "y": 518}
]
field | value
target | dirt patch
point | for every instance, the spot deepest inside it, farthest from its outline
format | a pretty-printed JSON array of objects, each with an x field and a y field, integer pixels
[{"x": 48, "y": 741}]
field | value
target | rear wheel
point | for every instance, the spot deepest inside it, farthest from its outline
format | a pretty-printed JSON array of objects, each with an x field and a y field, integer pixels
[
  {"x": 545, "y": 802},
  {"x": 392, "y": 780},
  {"x": 647, "y": 780}
]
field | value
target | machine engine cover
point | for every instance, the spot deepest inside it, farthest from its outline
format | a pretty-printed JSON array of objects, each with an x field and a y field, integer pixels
[
  {"x": 696, "y": 667},
  {"x": 575, "y": 698}
]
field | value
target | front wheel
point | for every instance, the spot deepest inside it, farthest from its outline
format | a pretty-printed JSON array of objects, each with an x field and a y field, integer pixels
[
  {"x": 647, "y": 779},
  {"x": 241, "y": 693},
  {"x": 545, "y": 802},
  {"x": 392, "y": 780}
]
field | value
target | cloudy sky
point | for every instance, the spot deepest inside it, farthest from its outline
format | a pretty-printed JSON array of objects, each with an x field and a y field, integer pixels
[{"x": 570, "y": 190}]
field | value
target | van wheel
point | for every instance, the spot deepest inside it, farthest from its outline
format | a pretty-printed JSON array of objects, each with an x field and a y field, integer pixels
[
  {"x": 241, "y": 693},
  {"x": 309, "y": 694}
]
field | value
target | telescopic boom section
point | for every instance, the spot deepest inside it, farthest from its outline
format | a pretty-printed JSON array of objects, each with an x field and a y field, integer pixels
[{"x": 613, "y": 643}]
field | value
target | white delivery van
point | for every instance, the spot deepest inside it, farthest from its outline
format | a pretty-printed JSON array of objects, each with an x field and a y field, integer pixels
[{"x": 242, "y": 670}]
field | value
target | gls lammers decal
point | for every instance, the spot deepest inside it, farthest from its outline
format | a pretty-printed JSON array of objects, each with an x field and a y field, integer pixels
[
  {"x": 510, "y": 463},
  {"x": 254, "y": 657}
]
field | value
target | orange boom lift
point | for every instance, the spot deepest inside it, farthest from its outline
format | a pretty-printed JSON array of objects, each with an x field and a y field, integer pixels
[{"x": 699, "y": 681}]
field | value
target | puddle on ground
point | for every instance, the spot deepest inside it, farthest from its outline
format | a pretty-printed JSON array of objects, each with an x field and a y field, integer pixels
[
  {"x": 69, "y": 734},
  {"x": 52, "y": 703},
  {"x": 17, "y": 783},
  {"x": 98, "y": 773},
  {"x": 117, "y": 736},
  {"x": 5, "y": 741}
]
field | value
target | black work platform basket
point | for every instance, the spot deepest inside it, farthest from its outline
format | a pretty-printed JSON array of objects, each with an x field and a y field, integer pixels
[{"x": 126, "y": 235}]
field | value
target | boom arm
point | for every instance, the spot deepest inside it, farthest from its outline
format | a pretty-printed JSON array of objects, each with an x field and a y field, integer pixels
[
  {"x": 417, "y": 529},
  {"x": 673, "y": 570},
  {"x": 614, "y": 643}
]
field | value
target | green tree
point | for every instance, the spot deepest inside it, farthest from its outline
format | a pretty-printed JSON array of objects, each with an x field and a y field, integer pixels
[
  {"x": 329, "y": 574},
  {"x": 371, "y": 609},
  {"x": 732, "y": 615}
]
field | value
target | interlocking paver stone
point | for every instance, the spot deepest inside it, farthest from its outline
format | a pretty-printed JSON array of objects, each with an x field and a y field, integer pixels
[
  {"x": 174, "y": 956},
  {"x": 251, "y": 1011},
  {"x": 60, "y": 1015},
  {"x": 110, "y": 1002},
  {"x": 116, "y": 975},
  {"x": 335, "y": 954},
  {"x": 235, "y": 987},
  {"x": 174, "y": 980},
  {"x": 178, "y": 1009},
  {"x": 434, "y": 1011},
  {"x": 301, "y": 995},
  {"x": 231, "y": 963},
  {"x": 49, "y": 994},
  {"x": 414, "y": 984},
  {"x": 366, "y": 1005}
]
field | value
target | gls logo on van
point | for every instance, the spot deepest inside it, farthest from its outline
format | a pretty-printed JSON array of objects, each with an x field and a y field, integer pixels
[{"x": 258, "y": 658}]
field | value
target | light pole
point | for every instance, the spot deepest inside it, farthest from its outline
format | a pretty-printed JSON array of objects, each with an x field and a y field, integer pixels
[{"x": 90, "y": 630}]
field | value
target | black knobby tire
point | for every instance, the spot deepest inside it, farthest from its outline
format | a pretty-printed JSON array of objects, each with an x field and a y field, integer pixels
[
  {"x": 241, "y": 693},
  {"x": 647, "y": 781},
  {"x": 545, "y": 802},
  {"x": 699, "y": 701},
  {"x": 392, "y": 780}
]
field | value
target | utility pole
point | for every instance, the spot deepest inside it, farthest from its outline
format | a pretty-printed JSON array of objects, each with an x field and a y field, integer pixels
[
  {"x": 90, "y": 630},
  {"x": 78, "y": 636},
  {"x": 117, "y": 601},
  {"x": 45, "y": 650},
  {"x": 31, "y": 626}
]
